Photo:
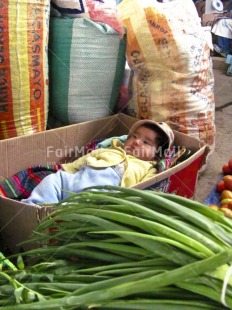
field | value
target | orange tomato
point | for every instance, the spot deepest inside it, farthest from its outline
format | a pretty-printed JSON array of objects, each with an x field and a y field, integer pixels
[
  {"x": 229, "y": 205},
  {"x": 225, "y": 201},
  {"x": 226, "y": 194},
  {"x": 220, "y": 186},
  {"x": 228, "y": 182},
  {"x": 226, "y": 169},
  {"x": 230, "y": 163}
]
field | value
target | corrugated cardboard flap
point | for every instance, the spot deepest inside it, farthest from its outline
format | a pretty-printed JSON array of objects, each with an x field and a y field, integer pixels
[{"x": 17, "y": 220}]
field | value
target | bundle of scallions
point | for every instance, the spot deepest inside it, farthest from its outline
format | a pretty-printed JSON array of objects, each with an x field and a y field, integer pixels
[{"x": 124, "y": 248}]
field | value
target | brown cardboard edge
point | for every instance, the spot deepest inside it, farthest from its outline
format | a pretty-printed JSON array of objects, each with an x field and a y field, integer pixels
[
  {"x": 16, "y": 214},
  {"x": 173, "y": 170},
  {"x": 30, "y": 150},
  {"x": 28, "y": 216}
]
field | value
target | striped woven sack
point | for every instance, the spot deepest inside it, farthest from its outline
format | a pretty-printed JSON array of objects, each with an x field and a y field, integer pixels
[
  {"x": 23, "y": 67},
  {"x": 105, "y": 12},
  {"x": 86, "y": 65}
]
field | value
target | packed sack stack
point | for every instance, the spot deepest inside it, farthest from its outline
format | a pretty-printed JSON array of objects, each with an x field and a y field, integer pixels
[
  {"x": 87, "y": 50},
  {"x": 24, "y": 67},
  {"x": 172, "y": 75}
]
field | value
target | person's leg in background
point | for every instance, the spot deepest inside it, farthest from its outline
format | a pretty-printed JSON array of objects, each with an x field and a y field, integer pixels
[{"x": 224, "y": 44}]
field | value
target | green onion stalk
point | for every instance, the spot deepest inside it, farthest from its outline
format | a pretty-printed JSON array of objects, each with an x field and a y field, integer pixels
[{"x": 123, "y": 248}]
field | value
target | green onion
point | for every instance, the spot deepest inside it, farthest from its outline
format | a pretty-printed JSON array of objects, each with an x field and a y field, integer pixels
[{"x": 123, "y": 248}]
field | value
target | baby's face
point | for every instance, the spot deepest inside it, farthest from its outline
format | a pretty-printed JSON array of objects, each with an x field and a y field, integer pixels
[{"x": 141, "y": 144}]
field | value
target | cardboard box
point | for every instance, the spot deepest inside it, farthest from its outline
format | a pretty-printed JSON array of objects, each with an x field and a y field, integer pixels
[{"x": 18, "y": 220}]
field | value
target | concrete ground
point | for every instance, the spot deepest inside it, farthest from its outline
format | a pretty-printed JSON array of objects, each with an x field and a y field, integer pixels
[{"x": 223, "y": 121}]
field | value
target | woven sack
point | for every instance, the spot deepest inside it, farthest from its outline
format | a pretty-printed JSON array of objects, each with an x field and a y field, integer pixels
[
  {"x": 105, "y": 12},
  {"x": 86, "y": 65},
  {"x": 172, "y": 76},
  {"x": 23, "y": 67}
]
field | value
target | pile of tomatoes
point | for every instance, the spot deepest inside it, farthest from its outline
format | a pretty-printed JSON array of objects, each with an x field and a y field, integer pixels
[{"x": 224, "y": 187}]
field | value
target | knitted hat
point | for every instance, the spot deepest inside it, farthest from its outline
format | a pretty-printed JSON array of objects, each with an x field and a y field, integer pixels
[{"x": 163, "y": 126}]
